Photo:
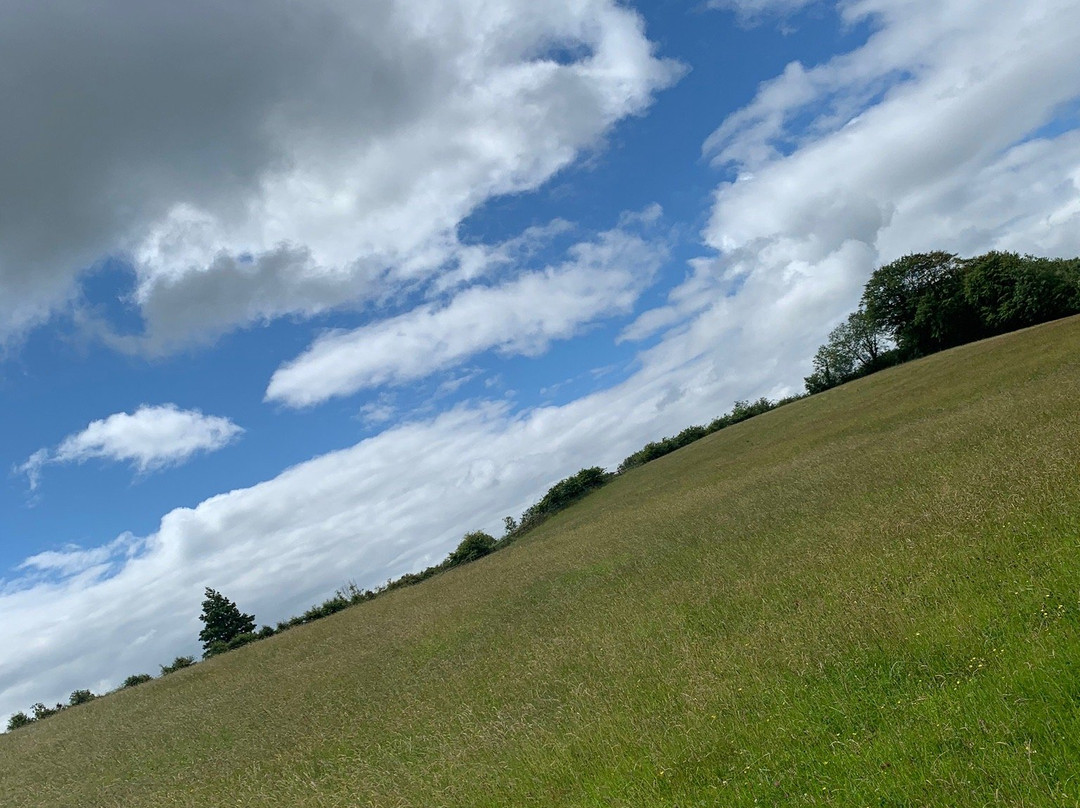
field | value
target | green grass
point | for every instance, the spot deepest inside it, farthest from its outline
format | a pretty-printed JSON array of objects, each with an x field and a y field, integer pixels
[{"x": 870, "y": 597}]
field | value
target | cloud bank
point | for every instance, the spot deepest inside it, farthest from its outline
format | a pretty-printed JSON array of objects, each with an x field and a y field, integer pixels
[{"x": 251, "y": 162}]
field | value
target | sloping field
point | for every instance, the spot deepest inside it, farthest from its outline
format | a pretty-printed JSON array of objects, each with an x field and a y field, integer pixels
[{"x": 869, "y": 597}]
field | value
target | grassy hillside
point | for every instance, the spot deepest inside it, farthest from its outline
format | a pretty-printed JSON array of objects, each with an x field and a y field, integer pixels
[{"x": 869, "y": 597}]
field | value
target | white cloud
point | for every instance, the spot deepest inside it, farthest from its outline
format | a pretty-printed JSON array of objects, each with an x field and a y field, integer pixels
[
  {"x": 149, "y": 438},
  {"x": 253, "y": 162},
  {"x": 522, "y": 316},
  {"x": 929, "y": 136},
  {"x": 393, "y": 503},
  {"x": 754, "y": 10}
]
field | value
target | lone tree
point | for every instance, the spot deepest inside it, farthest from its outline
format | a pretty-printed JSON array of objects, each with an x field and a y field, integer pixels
[
  {"x": 222, "y": 621},
  {"x": 475, "y": 545}
]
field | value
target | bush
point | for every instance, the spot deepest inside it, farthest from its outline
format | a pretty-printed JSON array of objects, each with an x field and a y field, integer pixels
[
  {"x": 136, "y": 679},
  {"x": 475, "y": 545},
  {"x": 216, "y": 647},
  {"x": 240, "y": 640},
  {"x": 325, "y": 609},
  {"x": 80, "y": 697},
  {"x": 19, "y": 719},
  {"x": 177, "y": 664},
  {"x": 564, "y": 494},
  {"x": 41, "y": 711}
]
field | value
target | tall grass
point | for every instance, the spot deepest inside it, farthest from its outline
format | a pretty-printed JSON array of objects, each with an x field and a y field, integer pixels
[{"x": 868, "y": 597}]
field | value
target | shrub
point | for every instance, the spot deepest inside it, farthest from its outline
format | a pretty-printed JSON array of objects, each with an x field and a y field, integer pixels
[
  {"x": 217, "y": 647},
  {"x": 475, "y": 545},
  {"x": 136, "y": 679},
  {"x": 19, "y": 719},
  {"x": 564, "y": 494},
  {"x": 41, "y": 711},
  {"x": 177, "y": 664},
  {"x": 78, "y": 697},
  {"x": 325, "y": 609},
  {"x": 240, "y": 640}
]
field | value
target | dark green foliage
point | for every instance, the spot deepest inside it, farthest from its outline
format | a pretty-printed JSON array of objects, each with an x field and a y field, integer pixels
[
  {"x": 563, "y": 494},
  {"x": 655, "y": 449},
  {"x": 914, "y": 300},
  {"x": 926, "y": 302},
  {"x": 215, "y": 648},
  {"x": 136, "y": 679},
  {"x": 510, "y": 525},
  {"x": 41, "y": 711},
  {"x": 19, "y": 719},
  {"x": 855, "y": 345},
  {"x": 325, "y": 609},
  {"x": 354, "y": 594},
  {"x": 241, "y": 640},
  {"x": 740, "y": 412},
  {"x": 744, "y": 410},
  {"x": 473, "y": 546},
  {"x": 177, "y": 664},
  {"x": 222, "y": 620},
  {"x": 78, "y": 697},
  {"x": 1007, "y": 291},
  {"x": 220, "y": 646},
  {"x": 346, "y": 596}
]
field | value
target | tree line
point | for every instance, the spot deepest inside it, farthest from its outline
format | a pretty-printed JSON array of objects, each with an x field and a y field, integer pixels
[
  {"x": 926, "y": 302},
  {"x": 912, "y": 307}
]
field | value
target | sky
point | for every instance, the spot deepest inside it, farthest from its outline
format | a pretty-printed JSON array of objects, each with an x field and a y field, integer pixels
[{"x": 297, "y": 294}]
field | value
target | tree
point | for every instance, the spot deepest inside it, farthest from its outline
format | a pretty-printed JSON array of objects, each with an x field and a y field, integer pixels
[
  {"x": 475, "y": 545},
  {"x": 854, "y": 347},
  {"x": 80, "y": 697},
  {"x": 136, "y": 679},
  {"x": 1009, "y": 291},
  {"x": 919, "y": 302},
  {"x": 222, "y": 620}
]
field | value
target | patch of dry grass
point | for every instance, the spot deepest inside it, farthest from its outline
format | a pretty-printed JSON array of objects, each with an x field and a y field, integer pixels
[{"x": 869, "y": 597}]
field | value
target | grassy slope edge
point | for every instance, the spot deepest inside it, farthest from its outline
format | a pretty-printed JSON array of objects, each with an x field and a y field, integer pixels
[{"x": 869, "y": 597}]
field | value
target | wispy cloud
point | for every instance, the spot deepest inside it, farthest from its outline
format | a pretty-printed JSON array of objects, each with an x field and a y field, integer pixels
[{"x": 522, "y": 316}]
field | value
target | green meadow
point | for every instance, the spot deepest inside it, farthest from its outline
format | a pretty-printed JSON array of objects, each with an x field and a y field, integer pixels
[{"x": 870, "y": 597}]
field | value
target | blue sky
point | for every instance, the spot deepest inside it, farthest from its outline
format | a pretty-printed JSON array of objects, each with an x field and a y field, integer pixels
[{"x": 299, "y": 299}]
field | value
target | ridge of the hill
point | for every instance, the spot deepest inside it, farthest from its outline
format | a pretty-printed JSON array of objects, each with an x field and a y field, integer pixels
[{"x": 865, "y": 597}]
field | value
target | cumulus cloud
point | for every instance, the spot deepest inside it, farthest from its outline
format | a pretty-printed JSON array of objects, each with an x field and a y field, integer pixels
[
  {"x": 251, "y": 162},
  {"x": 521, "y": 316},
  {"x": 149, "y": 438}
]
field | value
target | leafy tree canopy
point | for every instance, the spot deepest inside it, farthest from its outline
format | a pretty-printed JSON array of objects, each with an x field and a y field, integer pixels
[
  {"x": 926, "y": 302},
  {"x": 473, "y": 546},
  {"x": 222, "y": 620}
]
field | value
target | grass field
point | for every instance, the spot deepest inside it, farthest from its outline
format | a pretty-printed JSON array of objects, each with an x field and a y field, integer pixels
[{"x": 870, "y": 598}]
